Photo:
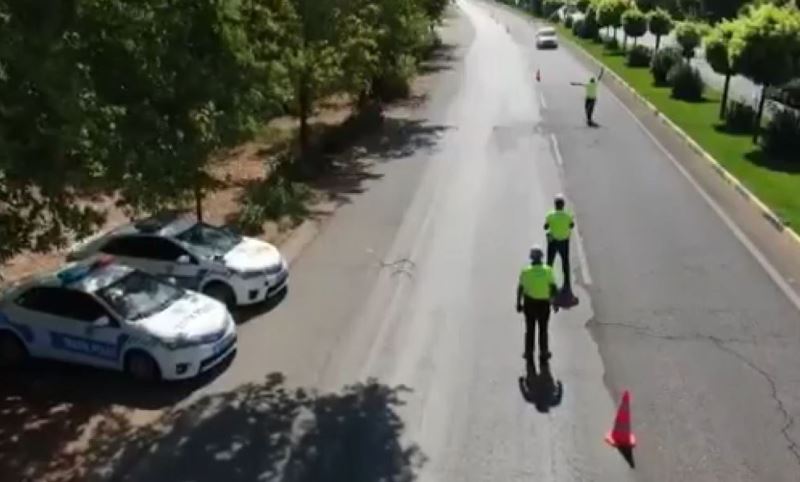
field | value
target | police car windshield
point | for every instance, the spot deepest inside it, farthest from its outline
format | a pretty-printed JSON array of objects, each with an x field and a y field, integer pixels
[
  {"x": 139, "y": 295},
  {"x": 210, "y": 240}
]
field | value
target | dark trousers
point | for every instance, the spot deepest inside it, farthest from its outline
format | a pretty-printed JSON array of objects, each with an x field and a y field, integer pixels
[
  {"x": 562, "y": 249},
  {"x": 590, "y": 103},
  {"x": 537, "y": 313}
]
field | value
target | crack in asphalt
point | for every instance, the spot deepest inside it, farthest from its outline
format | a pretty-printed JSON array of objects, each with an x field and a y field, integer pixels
[
  {"x": 400, "y": 266},
  {"x": 787, "y": 418},
  {"x": 721, "y": 344}
]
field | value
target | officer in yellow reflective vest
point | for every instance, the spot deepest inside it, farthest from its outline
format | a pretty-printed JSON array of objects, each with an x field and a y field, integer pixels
[
  {"x": 535, "y": 294},
  {"x": 591, "y": 97},
  {"x": 558, "y": 226}
]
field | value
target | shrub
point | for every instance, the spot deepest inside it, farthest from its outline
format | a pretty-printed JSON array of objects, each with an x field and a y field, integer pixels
[
  {"x": 663, "y": 61},
  {"x": 739, "y": 117},
  {"x": 552, "y": 6},
  {"x": 395, "y": 82},
  {"x": 686, "y": 82},
  {"x": 568, "y": 21},
  {"x": 640, "y": 56},
  {"x": 272, "y": 200},
  {"x": 591, "y": 29},
  {"x": 578, "y": 27},
  {"x": 781, "y": 138},
  {"x": 611, "y": 43}
]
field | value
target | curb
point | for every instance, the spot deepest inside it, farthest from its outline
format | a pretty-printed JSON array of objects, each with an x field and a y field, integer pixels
[{"x": 773, "y": 219}]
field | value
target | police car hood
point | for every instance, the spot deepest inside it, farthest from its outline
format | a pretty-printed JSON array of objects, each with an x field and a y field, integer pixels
[
  {"x": 193, "y": 316},
  {"x": 251, "y": 255}
]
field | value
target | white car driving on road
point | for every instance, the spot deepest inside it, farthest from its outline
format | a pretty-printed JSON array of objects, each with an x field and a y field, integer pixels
[
  {"x": 546, "y": 38},
  {"x": 213, "y": 260},
  {"x": 108, "y": 315}
]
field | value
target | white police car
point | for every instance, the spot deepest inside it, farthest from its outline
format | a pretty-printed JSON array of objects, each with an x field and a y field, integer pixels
[
  {"x": 233, "y": 269},
  {"x": 105, "y": 314}
]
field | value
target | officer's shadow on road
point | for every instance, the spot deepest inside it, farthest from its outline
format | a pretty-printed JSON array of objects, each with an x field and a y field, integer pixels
[{"x": 541, "y": 389}]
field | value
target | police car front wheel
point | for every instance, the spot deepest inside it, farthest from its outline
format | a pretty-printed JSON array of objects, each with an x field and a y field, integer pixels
[
  {"x": 12, "y": 350},
  {"x": 142, "y": 367},
  {"x": 222, "y": 293}
]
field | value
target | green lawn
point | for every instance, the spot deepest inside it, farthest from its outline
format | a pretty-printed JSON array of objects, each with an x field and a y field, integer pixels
[{"x": 780, "y": 190}]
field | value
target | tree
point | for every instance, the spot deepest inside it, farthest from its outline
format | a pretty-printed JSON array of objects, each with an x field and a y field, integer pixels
[
  {"x": 718, "y": 57},
  {"x": 583, "y": 5},
  {"x": 689, "y": 36},
  {"x": 716, "y": 10},
  {"x": 52, "y": 129},
  {"x": 659, "y": 22},
  {"x": 765, "y": 48},
  {"x": 189, "y": 79},
  {"x": 635, "y": 23},
  {"x": 609, "y": 13}
]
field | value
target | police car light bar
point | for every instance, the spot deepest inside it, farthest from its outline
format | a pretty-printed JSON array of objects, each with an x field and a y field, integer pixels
[{"x": 79, "y": 271}]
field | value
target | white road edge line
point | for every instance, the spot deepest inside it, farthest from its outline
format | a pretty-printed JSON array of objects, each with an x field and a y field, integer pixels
[
  {"x": 740, "y": 235},
  {"x": 556, "y": 150},
  {"x": 587, "y": 277},
  {"x": 542, "y": 100}
]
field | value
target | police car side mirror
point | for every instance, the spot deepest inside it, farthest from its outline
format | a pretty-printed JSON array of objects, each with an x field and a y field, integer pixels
[{"x": 184, "y": 259}]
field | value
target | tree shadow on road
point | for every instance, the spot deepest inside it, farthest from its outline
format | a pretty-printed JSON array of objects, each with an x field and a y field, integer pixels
[
  {"x": 398, "y": 139},
  {"x": 48, "y": 409},
  {"x": 264, "y": 431}
]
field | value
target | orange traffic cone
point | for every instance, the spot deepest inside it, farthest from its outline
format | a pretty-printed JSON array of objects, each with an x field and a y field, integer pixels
[
  {"x": 621, "y": 435},
  {"x": 538, "y": 76}
]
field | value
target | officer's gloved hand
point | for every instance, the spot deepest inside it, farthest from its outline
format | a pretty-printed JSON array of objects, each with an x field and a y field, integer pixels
[{"x": 519, "y": 307}]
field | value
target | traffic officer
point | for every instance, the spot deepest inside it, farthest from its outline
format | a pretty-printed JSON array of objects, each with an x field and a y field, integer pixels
[
  {"x": 558, "y": 226},
  {"x": 591, "y": 96},
  {"x": 535, "y": 294}
]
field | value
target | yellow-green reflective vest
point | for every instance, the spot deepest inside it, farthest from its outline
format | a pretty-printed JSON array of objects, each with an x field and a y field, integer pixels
[
  {"x": 591, "y": 90},
  {"x": 536, "y": 280},
  {"x": 560, "y": 223}
]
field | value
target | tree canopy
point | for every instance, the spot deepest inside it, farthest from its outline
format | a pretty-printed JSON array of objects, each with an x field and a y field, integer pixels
[
  {"x": 132, "y": 100},
  {"x": 689, "y": 35},
  {"x": 634, "y": 22},
  {"x": 609, "y": 12}
]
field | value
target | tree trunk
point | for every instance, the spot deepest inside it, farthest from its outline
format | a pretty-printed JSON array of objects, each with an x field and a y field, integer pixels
[
  {"x": 624, "y": 41},
  {"x": 198, "y": 201},
  {"x": 757, "y": 127},
  {"x": 304, "y": 106},
  {"x": 723, "y": 106},
  {"x": 658, "y": 42}
]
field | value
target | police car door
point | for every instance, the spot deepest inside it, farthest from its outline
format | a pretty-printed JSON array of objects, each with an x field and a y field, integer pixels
[{"x": 81, "y": 330}]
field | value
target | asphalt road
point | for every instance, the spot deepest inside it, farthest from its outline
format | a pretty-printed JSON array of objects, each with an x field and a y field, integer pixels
[{"x": 397, "y": 350}]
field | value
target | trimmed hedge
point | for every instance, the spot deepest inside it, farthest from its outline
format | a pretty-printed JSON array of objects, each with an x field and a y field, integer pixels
[
  {"x": 640, "y": 56},
  {"x": 686, "y": 82},
  {"x": 663, "y": 61}
]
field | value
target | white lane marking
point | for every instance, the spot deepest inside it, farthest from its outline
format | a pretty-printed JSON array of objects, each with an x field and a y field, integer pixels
[
  {"x": 556, "y": 150},
  {"x": 542, "y": 100},
  {"x": 587, "y": 277},
  {"x": 773, "y": 273}
]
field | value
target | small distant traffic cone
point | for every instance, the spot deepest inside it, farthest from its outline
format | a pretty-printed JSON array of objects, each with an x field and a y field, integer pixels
[
  {"x": 621, "y": 435},
  {"x": 538, "y": 76}
]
